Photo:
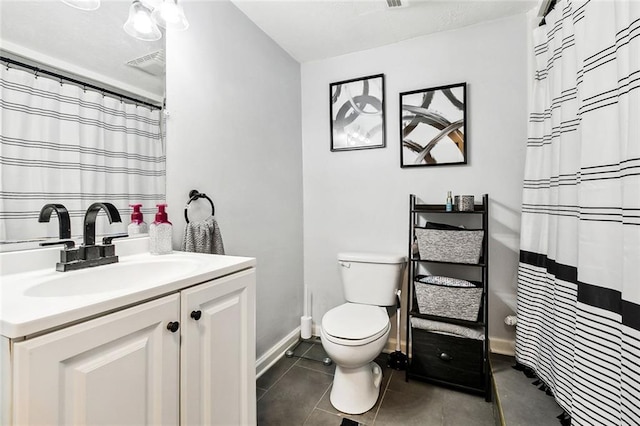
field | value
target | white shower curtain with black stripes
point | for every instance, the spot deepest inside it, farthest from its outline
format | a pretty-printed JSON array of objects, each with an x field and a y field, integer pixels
[
  {"x": 579, "y": 275},
  {"x": 62, "y": 144}
]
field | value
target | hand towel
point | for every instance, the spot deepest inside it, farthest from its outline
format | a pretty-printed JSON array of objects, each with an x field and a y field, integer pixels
[{"x": 203, "y": 237}]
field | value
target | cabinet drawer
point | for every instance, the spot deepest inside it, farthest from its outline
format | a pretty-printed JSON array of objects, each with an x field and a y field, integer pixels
[{"x": 443, "y": 357}]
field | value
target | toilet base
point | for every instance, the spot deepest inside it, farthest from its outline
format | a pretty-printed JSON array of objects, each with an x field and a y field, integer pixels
[{"x": 356, "y": 390}]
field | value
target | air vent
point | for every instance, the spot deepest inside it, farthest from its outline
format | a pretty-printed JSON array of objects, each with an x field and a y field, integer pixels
[
  {"x": 152, "y": 63},
  {"x": 396, "y": 4}
]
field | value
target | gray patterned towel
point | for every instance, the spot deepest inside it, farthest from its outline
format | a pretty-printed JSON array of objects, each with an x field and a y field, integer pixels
[{"x": 203, "y": 237}]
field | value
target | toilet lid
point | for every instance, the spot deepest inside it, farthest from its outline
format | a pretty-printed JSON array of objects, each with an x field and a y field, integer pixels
[{"x": 354, "y": 321}]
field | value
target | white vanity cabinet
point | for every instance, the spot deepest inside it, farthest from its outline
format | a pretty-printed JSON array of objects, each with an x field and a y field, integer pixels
[
  {"x": 218, "y": 352},
  {"x": 118, "y": 369},
  {"x": 129, "y": 368}
]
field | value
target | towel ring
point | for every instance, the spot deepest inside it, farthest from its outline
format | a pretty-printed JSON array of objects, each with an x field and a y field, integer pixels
[{"x": 195, "y": 195}]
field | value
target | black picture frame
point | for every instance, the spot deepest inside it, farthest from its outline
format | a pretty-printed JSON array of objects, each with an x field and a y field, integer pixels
[
  {"x": 432, "y": 126},
  {"x": 357, "y": 113}
]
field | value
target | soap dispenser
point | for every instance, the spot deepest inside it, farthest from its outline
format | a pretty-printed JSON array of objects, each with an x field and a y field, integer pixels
[
  {"x": 160, "y": 232},
  {"x": 137, "y": 225}
]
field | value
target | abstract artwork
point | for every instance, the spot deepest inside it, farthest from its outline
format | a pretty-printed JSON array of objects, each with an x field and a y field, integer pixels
[
  {"x": 357, "y": 113},
  {"x": 432, "y": 131}
]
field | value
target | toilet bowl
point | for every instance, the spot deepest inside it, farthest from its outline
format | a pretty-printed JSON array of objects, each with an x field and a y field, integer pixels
[
  {"x": 354, "y": 333},
  {"x": 353, "y": 336}
]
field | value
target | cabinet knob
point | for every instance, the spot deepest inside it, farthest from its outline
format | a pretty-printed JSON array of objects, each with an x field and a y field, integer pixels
[
  {"x": 173, "y": 326},
  {"x": 445, "y": 356},
  {"x": 196, "y": 315}
]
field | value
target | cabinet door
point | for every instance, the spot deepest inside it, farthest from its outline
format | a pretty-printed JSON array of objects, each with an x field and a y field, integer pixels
[
  {"x": 120, "y": 369},
  {"x": 218, "y": 352}
]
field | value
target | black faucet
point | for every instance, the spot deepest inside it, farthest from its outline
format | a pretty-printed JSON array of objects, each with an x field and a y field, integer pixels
[
  {"x": 63, "y": 218},
  {"x": 88, "y": 254},
  {"x": 90, "y": 220}
]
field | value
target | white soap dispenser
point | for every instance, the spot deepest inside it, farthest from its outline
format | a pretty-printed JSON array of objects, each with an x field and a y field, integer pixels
[
  {"x": 137, "y": 225},
  {"x": 160, "y": 232}
]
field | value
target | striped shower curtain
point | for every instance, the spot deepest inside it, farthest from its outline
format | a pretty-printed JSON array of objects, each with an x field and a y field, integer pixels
[
  {"x": 579, "y": 274},
  {"x": 62, "y": 144}
]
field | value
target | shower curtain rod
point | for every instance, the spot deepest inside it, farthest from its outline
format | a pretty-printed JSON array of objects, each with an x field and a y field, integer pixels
[
  {"x": 61, "y": 77},
  {"x": 546, "y": 8}
]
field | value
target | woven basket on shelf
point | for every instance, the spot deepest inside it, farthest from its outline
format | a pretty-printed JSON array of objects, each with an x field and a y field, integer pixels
[
  {"x": 450, "y": 302},
  {"x": 462, "y": 246}
]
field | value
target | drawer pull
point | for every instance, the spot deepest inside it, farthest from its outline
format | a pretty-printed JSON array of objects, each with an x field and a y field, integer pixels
[
  {"x": 196, "y": 315},
  {"x": 173, "y": 326},
  {"x": 445, "y": 356}
]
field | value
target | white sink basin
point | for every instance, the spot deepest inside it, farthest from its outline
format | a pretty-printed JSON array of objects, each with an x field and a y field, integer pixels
[
  {"x": 34, "y": 297},
  {"x": 112, "y": 278}
]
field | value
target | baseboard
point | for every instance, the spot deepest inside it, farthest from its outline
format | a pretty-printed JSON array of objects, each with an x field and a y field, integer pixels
[
  {"x": 502, "y": 346},
  {"x": 498, "y": 346},
  {"x": 276, "y": 352}
]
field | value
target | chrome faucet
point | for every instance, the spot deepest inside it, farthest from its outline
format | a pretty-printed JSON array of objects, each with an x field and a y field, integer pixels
[{"x": 63, "y": 218}]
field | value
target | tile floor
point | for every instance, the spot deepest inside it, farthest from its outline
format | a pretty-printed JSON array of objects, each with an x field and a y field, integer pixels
[
  {"x": 522, "y": 403},
  {"x": 295, "y": 391}
]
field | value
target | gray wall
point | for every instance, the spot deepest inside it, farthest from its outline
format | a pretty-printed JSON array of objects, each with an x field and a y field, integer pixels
[
  {"x": 358, "y": 200},
  {"x": 234, "y": 133}
]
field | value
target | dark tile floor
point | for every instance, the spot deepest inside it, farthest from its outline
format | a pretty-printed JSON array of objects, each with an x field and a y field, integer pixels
[
  {"x": 522, "y": 403},
  {"x": 295, "y": 391}
]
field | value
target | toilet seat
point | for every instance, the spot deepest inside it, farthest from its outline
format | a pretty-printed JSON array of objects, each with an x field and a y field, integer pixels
[{"x": 353, "y": 324}]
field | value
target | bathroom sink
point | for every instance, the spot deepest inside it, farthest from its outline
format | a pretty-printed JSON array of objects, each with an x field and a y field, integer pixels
[
  {"x": 112, "y": 278},
  {"x": 34, "y": 297}
]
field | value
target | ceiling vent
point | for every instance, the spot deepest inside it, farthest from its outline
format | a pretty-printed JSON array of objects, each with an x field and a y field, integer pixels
[
  {"x": 152, "y": 63},
  {"x": 397, "y": 4}
]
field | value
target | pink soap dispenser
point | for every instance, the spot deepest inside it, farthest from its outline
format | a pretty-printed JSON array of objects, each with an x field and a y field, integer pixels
[
  {"x": 137, "y": 225},
  {"x": 160, "y": 232}
]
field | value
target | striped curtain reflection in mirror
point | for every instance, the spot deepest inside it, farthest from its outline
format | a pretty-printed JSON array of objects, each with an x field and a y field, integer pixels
[
  {"x": 62, "y": 144},
  {"x": 579, "y": 275}
]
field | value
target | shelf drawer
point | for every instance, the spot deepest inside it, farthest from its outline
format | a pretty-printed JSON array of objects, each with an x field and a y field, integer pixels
[{"x": 447, "y": 358}]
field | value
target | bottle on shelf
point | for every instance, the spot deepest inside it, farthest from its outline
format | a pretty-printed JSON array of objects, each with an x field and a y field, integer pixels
[
  {"x": 449, "y": 206},
  {"x": 160, "y": 232},
  {"x": 137, "y": 225}
]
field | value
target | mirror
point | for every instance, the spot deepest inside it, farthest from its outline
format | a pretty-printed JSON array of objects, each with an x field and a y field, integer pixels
[{"x": 89, "y": 46}]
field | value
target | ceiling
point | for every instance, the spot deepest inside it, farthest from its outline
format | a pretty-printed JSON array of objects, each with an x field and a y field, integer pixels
[
  {"x": 308, "y": 29},
  {"x": 316, "y": 29}
]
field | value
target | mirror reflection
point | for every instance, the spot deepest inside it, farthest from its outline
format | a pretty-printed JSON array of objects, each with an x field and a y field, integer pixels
[{"x": 65, "y": 142}]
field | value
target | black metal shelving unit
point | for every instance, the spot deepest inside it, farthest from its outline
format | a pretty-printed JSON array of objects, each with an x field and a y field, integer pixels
[{"x": 443, "y": 359}]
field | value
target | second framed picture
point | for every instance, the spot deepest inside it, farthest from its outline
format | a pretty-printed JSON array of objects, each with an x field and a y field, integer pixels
[
  {"x": 357, "y": 113},
  {"x": 432, "y": 126}
]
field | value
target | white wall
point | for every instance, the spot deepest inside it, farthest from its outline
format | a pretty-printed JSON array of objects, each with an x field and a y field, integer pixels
[
  {"x": 358, "y": 200},
  {"x": 234, "y": 133}
]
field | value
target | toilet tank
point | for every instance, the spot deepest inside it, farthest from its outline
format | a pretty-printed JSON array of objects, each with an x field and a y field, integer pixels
[{"x": 371, "y": 278}]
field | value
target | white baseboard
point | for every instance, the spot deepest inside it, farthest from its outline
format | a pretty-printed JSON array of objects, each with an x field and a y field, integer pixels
[
  {"x": 498, "y": 346},
  {"x": 502, "y": 346},
  {"x": 276, "y": 352}
]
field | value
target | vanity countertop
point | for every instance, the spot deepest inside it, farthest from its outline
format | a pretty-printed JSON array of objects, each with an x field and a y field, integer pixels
[{"x": 32, "y": 301}]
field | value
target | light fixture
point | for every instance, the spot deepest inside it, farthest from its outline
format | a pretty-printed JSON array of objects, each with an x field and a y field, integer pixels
[
  {"x": 140, "y": 25},
  {"x": 170, "y": 15},
  {"x": 83, "y": 4}
]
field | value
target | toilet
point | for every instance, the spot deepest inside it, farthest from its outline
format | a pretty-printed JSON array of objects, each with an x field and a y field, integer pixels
[{"x": 355, "y": 333}]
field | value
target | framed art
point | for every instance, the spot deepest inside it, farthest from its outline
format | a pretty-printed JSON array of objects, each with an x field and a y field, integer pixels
[
  {"x": 432, "y": 126},
  {"x": 357, "y": 113}
]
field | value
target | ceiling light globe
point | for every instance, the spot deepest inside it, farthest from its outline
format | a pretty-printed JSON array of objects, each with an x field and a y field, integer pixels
[
  {"x": 140, "y": 25},
  {"x": 170, "y": 15}
]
